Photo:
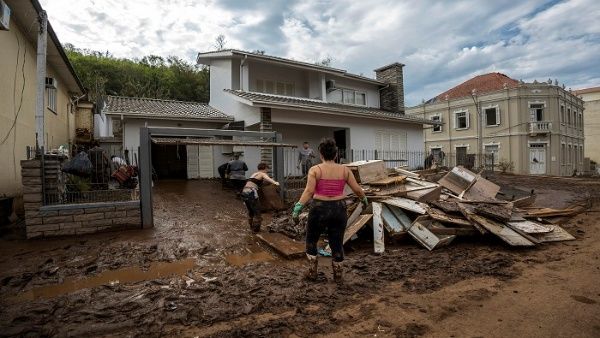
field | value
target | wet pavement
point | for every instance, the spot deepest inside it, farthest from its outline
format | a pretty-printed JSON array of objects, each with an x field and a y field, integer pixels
[{"x": 200, "y": 272}]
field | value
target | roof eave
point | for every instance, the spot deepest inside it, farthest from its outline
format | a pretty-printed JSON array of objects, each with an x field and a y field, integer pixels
[{"x": 167, "y": 117}]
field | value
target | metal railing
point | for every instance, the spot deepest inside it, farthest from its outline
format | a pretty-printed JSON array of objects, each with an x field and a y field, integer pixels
[{"x": 95, "y": 175}]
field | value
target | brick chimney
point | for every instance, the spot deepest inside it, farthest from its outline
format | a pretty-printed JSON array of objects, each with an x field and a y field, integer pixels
[{"x": 392, "y": 96}]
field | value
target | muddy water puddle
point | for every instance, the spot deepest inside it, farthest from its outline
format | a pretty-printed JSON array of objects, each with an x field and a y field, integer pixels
[
  {"x": 124, "y": 275},
  {"x": 253, "y": 257}
]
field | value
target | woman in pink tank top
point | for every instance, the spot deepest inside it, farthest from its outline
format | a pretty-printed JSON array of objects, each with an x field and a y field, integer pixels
[{"x": 325, "y": 186}]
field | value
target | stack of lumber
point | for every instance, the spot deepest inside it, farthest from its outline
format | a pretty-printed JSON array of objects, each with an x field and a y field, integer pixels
[{"x": 461, "y": 203}]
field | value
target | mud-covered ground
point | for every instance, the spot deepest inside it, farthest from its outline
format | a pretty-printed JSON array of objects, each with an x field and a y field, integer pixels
[{"x": 200, "y": 272}]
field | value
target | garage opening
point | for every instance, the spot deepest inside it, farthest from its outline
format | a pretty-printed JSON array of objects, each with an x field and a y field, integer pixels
[{"x": 169, "y": 161}]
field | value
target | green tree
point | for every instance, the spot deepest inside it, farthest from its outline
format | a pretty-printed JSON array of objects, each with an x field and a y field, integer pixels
[{"x": 151, "y": 76}]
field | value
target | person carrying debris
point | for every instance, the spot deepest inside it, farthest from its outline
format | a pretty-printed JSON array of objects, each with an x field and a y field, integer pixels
[
  {"x": 325, "y": 186},
  {"x": 305, "y": 158},
  {"x": 250, "y": 195},
  {"x": 236, "y": 169}
]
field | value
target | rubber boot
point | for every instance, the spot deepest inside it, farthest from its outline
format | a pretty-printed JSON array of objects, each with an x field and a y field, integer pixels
[
  {"x": 251, "y": 222},
  {"x": 338, "y": 272},
  {"x": 257, "y": 224},
  {"x": 313, "y": 267}
]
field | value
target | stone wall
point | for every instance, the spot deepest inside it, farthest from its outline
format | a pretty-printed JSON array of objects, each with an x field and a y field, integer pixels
[
  {"x": 392, "y": 96},
  {"x": 71, "y": 219}
]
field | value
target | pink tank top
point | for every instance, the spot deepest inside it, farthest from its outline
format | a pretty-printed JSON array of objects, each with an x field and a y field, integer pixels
[{"x": 330, "y": 187}]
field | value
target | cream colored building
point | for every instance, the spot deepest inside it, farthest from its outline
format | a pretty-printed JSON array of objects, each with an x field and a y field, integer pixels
[
  {"x": 536, "y": 126},
  {"x": 18, "y": 85},
  {"x": 591, "y": 121}
]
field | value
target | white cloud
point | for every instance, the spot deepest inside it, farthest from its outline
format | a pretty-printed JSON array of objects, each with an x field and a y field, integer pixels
[{"x": 441, "y": 43}]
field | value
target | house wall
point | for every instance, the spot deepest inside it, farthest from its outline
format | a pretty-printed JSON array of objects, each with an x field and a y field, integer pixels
[
  {"x": 372, "y": 91},
  {"x": 18, "y": 72},
  {"x": 513, "y": 134},
  {"x": 221, "y": 78},
  {"x": 592, "y": 125}
]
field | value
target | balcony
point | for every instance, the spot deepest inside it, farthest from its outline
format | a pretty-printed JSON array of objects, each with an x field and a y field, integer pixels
[{"x": 540, "y": 127}]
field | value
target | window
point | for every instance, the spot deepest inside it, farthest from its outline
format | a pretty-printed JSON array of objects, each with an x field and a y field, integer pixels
[
  {"x": 562, "y": 154},
  {"x": 569, "y": 116},
  {"x": 51, "y": 93},
  {"x": 492, "y": 149},
  {"x": 269, "y": 87},
  {"x": 562, "y": 114},
  {"x": 290, "y": 89},
  {"x": 436, "y": 128},
  {"x": 536, "y": 111},
  {"x": 272, "y": 87},
  {"x": 349, "y": 96},
  {"x": 260, "y": 86},
  {"x": 361, "y": 99},
  {"x": 461, "y": 120},
  {"x": 387, "y": 141},
  {"x": 280, "y": 88},
  {"x": 492, "y": 116}
]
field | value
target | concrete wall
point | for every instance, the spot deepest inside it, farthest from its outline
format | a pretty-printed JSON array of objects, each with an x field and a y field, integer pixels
[
  {"x": 71, "y": 219},
  {"x": 513, "y": 135},
  {"x": 591, "y": 118},
  {"x": 59, "y": 125}
]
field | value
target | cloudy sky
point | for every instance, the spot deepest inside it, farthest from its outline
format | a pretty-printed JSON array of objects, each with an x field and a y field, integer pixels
[{"x": 442, "y": 43}]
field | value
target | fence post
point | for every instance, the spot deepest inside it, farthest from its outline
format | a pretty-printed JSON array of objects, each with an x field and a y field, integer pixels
[
  {"x": 145, "y": 178},
  {"x": 278, "y": 165}
]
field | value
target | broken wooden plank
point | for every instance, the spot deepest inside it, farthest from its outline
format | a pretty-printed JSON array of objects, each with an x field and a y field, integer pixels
[
  {"x": 391, "y": 223},
  {"x": 421, "y": 233},
  {"x": 499, "y": 212},
  {"x": 447, "y": 206},
  {"x": 481, "y": 190},
  {"x": 407, "y": 204},
  {"x": 557, "y": 235},
  {"x": 548, "y": 212},
  {"x": 524, "y": 201},
  {"x": 378, "y": 241},
  {"x": 440, "y": 216},
  {"x": 531, "y": 227},
  {"x": 457, "y": 180},
  {"x": 406, "y": 173},
  {"x": 505, "y": 233},
  {"x": 357, "y": 225},
  {"x": 389, "y": 180},
  {"x": 284, "y": 245},
  {"x": 460, "y": 231},
  {"x": 425, "y": 195},
  {"x": 354, "y": 215},
  {"x": 468, "y": 211},
  {"x": 400, "y": 216},
  {"x": 368, "y": 171}
]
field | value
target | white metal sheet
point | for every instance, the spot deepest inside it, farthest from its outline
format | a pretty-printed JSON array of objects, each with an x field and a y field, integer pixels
[{"x": 378, "y": 240}]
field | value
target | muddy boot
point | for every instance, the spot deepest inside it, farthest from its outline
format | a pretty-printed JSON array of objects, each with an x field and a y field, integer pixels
[
  {"x": 257, "y": 224},
  {"x": 313, "y": 265},
  {"x": 338, "y": 272}
]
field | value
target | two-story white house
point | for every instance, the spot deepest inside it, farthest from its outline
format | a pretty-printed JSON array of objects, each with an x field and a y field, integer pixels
[{"x": 306, "y": 102}]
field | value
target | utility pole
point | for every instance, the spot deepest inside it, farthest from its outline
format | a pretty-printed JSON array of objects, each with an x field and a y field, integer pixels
[
  {"x": 41, "y": 81},
  {"x": 479, "y": 128}
]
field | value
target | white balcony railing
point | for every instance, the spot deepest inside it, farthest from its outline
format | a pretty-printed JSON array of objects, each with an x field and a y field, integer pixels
[{"x": 540, "y": 127}]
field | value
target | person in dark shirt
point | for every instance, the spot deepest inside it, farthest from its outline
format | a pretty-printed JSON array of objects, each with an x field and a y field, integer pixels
[
  {"x": 250, "y": 195},
  {"x": 236, "y": 169}
]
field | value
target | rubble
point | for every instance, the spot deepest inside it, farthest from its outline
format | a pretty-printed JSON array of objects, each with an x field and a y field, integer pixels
[{"x": 460, "y": 203}]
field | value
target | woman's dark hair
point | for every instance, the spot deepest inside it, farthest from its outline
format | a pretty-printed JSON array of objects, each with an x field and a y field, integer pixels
[
  {"x": 262, "y": 166},
  {"x": 328, "y": 149}
]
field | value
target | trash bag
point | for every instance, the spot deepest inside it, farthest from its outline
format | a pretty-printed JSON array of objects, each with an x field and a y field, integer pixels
[{"x": 79, "y": 165}]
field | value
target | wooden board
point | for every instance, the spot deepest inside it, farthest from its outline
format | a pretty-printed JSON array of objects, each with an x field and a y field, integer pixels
[
  {"x": 354, "y": 215},
  {"x": 391, "y": 223},
  {"x": 468, "y": 211},
  {"x": 531, "y": 227},
  {"x": 499, "y": 212},
  {"x": 400, "y": 216},
  {"x": 425, "y": 194},
  {"x": 370, "y": 171},
  {"x": 378, "y": 241},
  {"x": 269, "y": 198},
  {"x": 557, "y": 235},
  {"x": 284, "y": 245},
  {"x": 420, "y": 231},
  {"x": 482, "y": 190},
  {"x": 524, "y": 201},
  {"x": 389, "y": 180},
  {"x": 505, "y": 233},
  {"x": 357, "y": 225},
  {"x": 441, "y": 216},
  {"x": 407, "y": 204},
  {"x": 457, "y": 180}
]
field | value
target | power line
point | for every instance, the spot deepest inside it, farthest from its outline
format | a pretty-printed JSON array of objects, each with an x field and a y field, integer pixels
[{"x": 14, "y": 91}]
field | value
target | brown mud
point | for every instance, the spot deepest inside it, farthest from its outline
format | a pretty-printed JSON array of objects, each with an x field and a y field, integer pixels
[{"x": 229, "y": 284}]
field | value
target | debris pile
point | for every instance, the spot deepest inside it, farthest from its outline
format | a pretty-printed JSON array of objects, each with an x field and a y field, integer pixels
[{"x": 461, "y": 203}]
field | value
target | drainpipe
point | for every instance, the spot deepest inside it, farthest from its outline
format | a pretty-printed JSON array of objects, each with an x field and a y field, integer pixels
[
  {"x": 242, "y": 72},
  {"x": 41, "y": 81}
]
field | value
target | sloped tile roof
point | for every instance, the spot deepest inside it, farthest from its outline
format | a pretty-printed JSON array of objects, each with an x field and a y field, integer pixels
[
  {"x": 162, "y": 108},
  {"x": 482, "y": 84},
  {"x": 343, "y": 109}
]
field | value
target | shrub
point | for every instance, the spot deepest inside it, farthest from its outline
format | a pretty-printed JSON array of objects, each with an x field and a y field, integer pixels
[{"x": 506, "y": 166}]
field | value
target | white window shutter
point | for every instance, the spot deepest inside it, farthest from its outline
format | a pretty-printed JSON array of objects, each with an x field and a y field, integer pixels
[
  {"x": 455, "y": 122},
  {"x": 378, "y": 137},
  {"x": 498, "y": 115},
  {"x": 468, "y": 118}
]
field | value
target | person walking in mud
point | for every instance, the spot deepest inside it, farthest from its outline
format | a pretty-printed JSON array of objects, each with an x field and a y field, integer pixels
[
  {"x": 325, "y": 185},
  {"x": 236, "y": 169},
  {"x": 250, "y": 195},
  {"x": 305, "y": 158}
]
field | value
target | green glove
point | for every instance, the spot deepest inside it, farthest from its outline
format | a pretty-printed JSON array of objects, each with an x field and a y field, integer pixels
[
  {"x": 364, "y": 201},
  {"x": 296, "y": 213}
]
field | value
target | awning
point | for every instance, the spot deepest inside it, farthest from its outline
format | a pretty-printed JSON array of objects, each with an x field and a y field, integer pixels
[{"x": 212, "y": 142}]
